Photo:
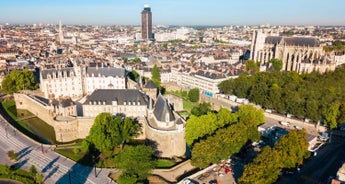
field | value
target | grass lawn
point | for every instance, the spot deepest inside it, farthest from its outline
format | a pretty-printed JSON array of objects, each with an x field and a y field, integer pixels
[
  {"x": 187, "y": 105},
  {"x": 69, "y": 154},
  {"x": 10, "y": 108},
  {"x": 161, "y": 163}
]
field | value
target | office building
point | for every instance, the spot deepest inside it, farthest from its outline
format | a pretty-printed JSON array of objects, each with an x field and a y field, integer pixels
[{"x": 146, "y": 23}]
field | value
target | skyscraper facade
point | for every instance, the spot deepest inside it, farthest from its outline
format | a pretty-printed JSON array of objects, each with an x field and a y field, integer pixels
[{"x": 146, "y": 23}]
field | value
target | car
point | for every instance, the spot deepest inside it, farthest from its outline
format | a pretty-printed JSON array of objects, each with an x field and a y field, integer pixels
[
  {"x": 284, "y": 123},
  {"x": 324, "y": 137},
  {"x": 189, "y": 181},
  {"x": 268, "y": 110},
  {"x": 297, "y": 127},
  {"x": 214, "y": 181}
]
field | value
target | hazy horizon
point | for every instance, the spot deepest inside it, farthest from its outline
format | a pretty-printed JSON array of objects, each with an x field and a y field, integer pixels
[{"x": 175, "y": 12}]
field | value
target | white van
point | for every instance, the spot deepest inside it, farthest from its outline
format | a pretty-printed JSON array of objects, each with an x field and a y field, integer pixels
[{"x": 284, "y": 123}]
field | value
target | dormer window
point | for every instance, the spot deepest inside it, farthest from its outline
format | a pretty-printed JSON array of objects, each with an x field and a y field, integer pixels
[
  {"x": 90, "y": 103},
  {"x": 124, "y": 103},
  {"x": 167, "y": 118}
]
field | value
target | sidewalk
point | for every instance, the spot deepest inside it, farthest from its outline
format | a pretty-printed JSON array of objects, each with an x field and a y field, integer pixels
[{"x": 173, "y": 173}]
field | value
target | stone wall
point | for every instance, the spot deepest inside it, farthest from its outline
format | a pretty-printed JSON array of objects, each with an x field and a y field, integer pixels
[
  {"x": 66, "y": 130},
  {"x": 169, "y": 143}
]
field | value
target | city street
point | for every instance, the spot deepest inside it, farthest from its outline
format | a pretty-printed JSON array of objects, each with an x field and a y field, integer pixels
[
  {"x": 270, "y": 119},
  {"x": 54, "y": 167}
]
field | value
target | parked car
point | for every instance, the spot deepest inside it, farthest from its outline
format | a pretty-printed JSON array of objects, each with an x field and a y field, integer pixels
[
  {"x": 284, "y": 123},
  {"x": 297, "y": 127}
]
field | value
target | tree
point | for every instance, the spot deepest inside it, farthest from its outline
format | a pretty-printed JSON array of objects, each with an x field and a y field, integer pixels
[
  {"x": 133, "y": 75},
  {"x": 33, "y": 170},
  {"x": 165, "y": 46},
  {"x": 293, "y": 148},
  {"x": 194, "y": 95},
  {"x": 136, "y": 161},
  {"x": 201, "y": 109},
  {"x": 18, "y": 80},
  {"x": 331, "y": 115},
  {"x": 277, "y": 64},
  {"x": 264, "y": 169},
  {"x": 197, "y": 127},
  {"x": 125, "y": 59},
  {"x": 290, "y": 150},
  {"x": 252, "y": 66},
  {"x": 341, "y": 117},
  {"x": 156, "y": 76},
  {"x": 225, "y": 142},
  {"x": 108, "y": 132},
  {"x": 136, "y": 60},
  {"x": 76, "y": 150},
  {"x": 127, "y": 179},
  {"x": 4, "y": 170},
  {"x": 214, "y": 137}
]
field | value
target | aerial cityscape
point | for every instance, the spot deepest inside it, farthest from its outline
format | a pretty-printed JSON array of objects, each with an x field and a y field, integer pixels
[{"x": 160, "y": 92}]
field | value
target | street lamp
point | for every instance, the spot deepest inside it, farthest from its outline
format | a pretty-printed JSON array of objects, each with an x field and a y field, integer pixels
[
  {"x": 69, "y": 176},
  {"x": 6, "y": 131}
]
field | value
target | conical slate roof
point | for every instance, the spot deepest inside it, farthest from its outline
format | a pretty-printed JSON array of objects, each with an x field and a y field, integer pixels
[{"x": 162, "y": 110}]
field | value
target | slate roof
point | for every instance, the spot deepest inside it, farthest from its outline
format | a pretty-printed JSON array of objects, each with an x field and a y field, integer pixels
[
  {"x": 66, "y": 102},
  {"x": 273, "y": 39},
  {"x": 64, "y": 71},
  {"x": 302, "y": 41},
  {"x": 63, "y": 102},
  {"x": 119, "y": 95},
  {"x": 297, "y": 41},
  {"x": 162, "y": 109},
  {"x": 106, "y": 71},
  {"x": 150, "y": 85}
]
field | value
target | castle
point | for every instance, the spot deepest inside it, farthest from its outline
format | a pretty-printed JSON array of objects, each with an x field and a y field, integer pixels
[{"x": 105, "y": 88}]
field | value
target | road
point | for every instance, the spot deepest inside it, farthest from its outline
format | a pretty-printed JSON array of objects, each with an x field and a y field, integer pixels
[
  {"x": 270, "y": 119},
  {"x": 54, "y": 167},
  {"x": 319, "y": 168}
]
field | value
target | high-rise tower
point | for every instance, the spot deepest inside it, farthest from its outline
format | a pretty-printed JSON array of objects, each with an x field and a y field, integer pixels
[
  {"x": 60, "y": 32},
  {"x": 146, "y": 23}
]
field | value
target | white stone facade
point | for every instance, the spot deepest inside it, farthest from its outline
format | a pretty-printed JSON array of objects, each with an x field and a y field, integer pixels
[{"x": 77, "y": 81}]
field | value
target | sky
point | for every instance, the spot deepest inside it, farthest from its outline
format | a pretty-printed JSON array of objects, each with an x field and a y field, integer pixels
[{"x": 174, "y": 12}]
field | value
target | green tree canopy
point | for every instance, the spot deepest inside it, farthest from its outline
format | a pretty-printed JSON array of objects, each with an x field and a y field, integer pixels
[
  {"x": 18, "y": 80},
  {"x": 194, "y": 95},
  {"x": 201, "y": 109},
  {"x": 331, "y": 115},
  {"x": 252, "y": 66},
  {"x": 133, "y": 75},
  {"x": 109, "y": 132},
  {"x": 293, "y": 148},
  {"x": 156, "y": 76},
  {"x": 277, "y": 64},
  {"x": 214, "y": 137},
  {"x": 264, "y": 169},
  {"x": 305, "y": 96},
  {"x": 136, "y": 60},
  {"x": 289, "y": 151},
  {"x": 136, "y": 162}
]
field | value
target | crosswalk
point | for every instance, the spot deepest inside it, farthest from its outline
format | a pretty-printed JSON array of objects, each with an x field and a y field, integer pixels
[{"x": 54, "y": 167}]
